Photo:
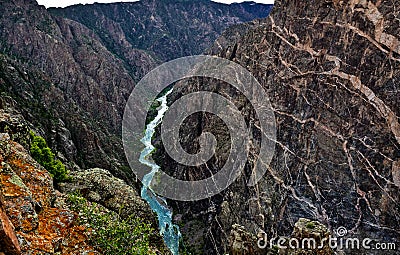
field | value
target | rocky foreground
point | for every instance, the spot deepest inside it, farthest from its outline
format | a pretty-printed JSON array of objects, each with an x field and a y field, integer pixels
[{"x": 37, "y": 218}]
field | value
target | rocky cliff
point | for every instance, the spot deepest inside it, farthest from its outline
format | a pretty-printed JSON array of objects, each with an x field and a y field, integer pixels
[
  {"x": 66, "y": 81},
  {"x": 332, "y": 73},
  {"x": 167, "y": 29},
  {"x": 72, "y": 79}
]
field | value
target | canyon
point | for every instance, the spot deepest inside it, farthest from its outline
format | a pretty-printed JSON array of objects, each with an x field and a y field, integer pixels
[{"x": 330, "y": 68}]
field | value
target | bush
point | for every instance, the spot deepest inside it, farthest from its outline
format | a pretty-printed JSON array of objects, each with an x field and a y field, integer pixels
[
  {"x": 110, "y": 233},
  {"x": 310, "y": 225},
  {"x": 45, "y": 157}
]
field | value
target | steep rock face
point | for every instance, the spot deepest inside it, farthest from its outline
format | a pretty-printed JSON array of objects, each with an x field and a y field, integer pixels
[
  {"x": 77, "y": 136},
  {"x": 70, "y": 55},
  {"x": 167, "y": 28},
  {"x": 66, "y": 81},
  {"x": 332, "y": 73}
]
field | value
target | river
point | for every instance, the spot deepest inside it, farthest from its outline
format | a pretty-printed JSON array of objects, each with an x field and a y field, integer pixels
[{"x": 168, "y": 230}]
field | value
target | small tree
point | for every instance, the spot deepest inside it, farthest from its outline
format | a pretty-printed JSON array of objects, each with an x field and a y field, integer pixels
[{"x": 45, "y": 157}]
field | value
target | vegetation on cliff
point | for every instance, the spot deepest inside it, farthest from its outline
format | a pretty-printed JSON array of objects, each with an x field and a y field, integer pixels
[
  {"x": 45, "y": 157},
  {"x": 111, "y": 233}
]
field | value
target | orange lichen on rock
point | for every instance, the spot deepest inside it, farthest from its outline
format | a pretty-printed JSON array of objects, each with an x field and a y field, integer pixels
[
  {"x": 28, "y": 194},
  {"x": 36, "y": 178},
  {"x": 10, "y": 189},
  {"x": 8, "y": 239},
  {"x": 58, "y": 232}
]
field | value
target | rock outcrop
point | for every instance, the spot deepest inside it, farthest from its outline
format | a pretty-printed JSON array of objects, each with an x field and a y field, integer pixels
[
  {"x": 28, "y": 194},
  {"x": 100, "y": 186},
  {"x": 310, "y": 237},
  {"x": 242, "y": 242},
  {"x": 8, "y": 240},
  {"x": 332, "y": 73}
]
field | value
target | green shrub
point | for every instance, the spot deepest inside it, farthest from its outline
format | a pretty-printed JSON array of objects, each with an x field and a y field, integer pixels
[
  {"x": 110, "y": 233},
  {"x": 45, "y": 157},
  {"x": 310, "y": 225}
]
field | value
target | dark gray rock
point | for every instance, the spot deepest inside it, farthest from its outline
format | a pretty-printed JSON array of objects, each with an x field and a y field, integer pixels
[
  {"x": 167, "y": 29},
  {"x": 332, "y": 73}
]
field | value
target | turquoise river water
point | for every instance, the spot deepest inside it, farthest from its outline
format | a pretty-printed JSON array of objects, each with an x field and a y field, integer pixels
[{"x": 169, "y": 231}]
